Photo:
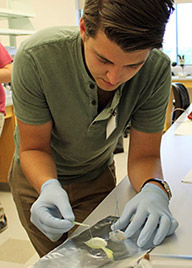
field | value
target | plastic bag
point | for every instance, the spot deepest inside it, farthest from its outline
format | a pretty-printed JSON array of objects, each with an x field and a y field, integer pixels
[{"x": 75, "y": 253}]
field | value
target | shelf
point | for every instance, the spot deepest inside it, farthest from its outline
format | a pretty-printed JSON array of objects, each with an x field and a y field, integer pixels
[
  {"x": 6, "y": 13},
  {"x": 17, "y": 14},
  {"x": 16, "y": 32}
]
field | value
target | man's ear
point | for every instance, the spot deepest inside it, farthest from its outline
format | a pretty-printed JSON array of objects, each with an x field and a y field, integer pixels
[{"x": 82, "y": 29}]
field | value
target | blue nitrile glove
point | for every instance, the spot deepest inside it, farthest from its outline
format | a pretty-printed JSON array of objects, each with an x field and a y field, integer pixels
[
  {"x": 51, "y": 213},
  {"x": 149, "y": 209}
]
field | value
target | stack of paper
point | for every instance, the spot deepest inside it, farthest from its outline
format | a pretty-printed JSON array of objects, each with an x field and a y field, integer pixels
[
  {"x": 188, "y": 177},
  {"x": 185, "y": 128}
]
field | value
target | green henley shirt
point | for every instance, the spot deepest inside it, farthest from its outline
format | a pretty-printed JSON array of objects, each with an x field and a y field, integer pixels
[{"x": 50, "y": 82}]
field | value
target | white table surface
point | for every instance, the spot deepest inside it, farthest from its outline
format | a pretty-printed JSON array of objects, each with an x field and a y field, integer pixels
[{"x": 177, "y": 162}]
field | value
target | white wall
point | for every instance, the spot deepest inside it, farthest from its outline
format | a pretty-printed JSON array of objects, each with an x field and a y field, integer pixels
[
  {"x": 53, "y": 12},
  {"x": 81, "y": 3},
  {"x": 183, "y": 1}
]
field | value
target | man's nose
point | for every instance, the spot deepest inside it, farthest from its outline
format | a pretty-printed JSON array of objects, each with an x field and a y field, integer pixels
[{"x": 114, "y": 75}]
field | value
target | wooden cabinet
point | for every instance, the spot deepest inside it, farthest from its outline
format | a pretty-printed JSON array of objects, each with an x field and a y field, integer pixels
[
  {"x": 187, "y": 81},
  {"x": 7, "y": 143}
]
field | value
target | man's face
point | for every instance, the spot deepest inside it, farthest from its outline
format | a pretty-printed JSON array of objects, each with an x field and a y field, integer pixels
[{"x": 108, "y": 64}]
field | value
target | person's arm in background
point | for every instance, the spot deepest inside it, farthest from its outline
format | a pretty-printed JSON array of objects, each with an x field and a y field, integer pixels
[
  {"x": 5, "y": 77},
  {"x": 148, "y": 211},
  {"x": 5, "y": 73},
  {"x": 5, "y": 65},
  {"x": 51, "y": 212}
]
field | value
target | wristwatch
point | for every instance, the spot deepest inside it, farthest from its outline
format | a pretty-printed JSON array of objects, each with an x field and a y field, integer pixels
[{"x": 163, "y": 183}]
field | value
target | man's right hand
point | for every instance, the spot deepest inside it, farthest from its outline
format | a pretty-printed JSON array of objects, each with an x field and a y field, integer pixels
[{"x": 51, "y": 213}]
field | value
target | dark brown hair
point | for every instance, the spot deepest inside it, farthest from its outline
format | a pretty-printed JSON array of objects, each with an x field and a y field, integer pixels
[{"x": 131, "y": 24}]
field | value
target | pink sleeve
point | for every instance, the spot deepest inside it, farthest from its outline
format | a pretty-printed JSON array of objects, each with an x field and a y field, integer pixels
[{"x": 5, "y": 59}]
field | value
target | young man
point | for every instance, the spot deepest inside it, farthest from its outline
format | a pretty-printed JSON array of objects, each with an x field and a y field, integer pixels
[
  {"x": 74, "y": 94},
  {"x": 5, "y": 77}
]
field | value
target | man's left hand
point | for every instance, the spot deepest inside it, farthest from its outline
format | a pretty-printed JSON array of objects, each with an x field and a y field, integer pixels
[{"x": 148, "y": 211}]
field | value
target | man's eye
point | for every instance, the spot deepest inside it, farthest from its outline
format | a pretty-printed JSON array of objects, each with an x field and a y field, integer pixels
[
  {"x": 133, "y": 66},
  {"x": 103, "y": 61}
]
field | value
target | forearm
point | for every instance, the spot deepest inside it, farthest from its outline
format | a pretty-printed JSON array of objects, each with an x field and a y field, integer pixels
[
  {"x": 38, "y": 167},
  {"x": 5, "y": 74},
  {"x": 142, "y": 169}
]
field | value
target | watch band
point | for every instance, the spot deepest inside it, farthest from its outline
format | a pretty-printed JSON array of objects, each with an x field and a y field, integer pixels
[{"x": 163, "y": 183}]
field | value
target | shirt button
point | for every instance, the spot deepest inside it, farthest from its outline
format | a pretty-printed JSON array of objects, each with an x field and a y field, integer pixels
[
  {"x": 92, "y": 86},
  {"x": 93, "y": 102}
]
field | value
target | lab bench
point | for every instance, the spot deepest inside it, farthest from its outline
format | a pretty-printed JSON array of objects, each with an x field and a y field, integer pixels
[{"x": 176, "y": 163}]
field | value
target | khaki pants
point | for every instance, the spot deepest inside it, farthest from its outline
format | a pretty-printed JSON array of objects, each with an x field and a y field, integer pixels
[{"x": 84, "y": 197}]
